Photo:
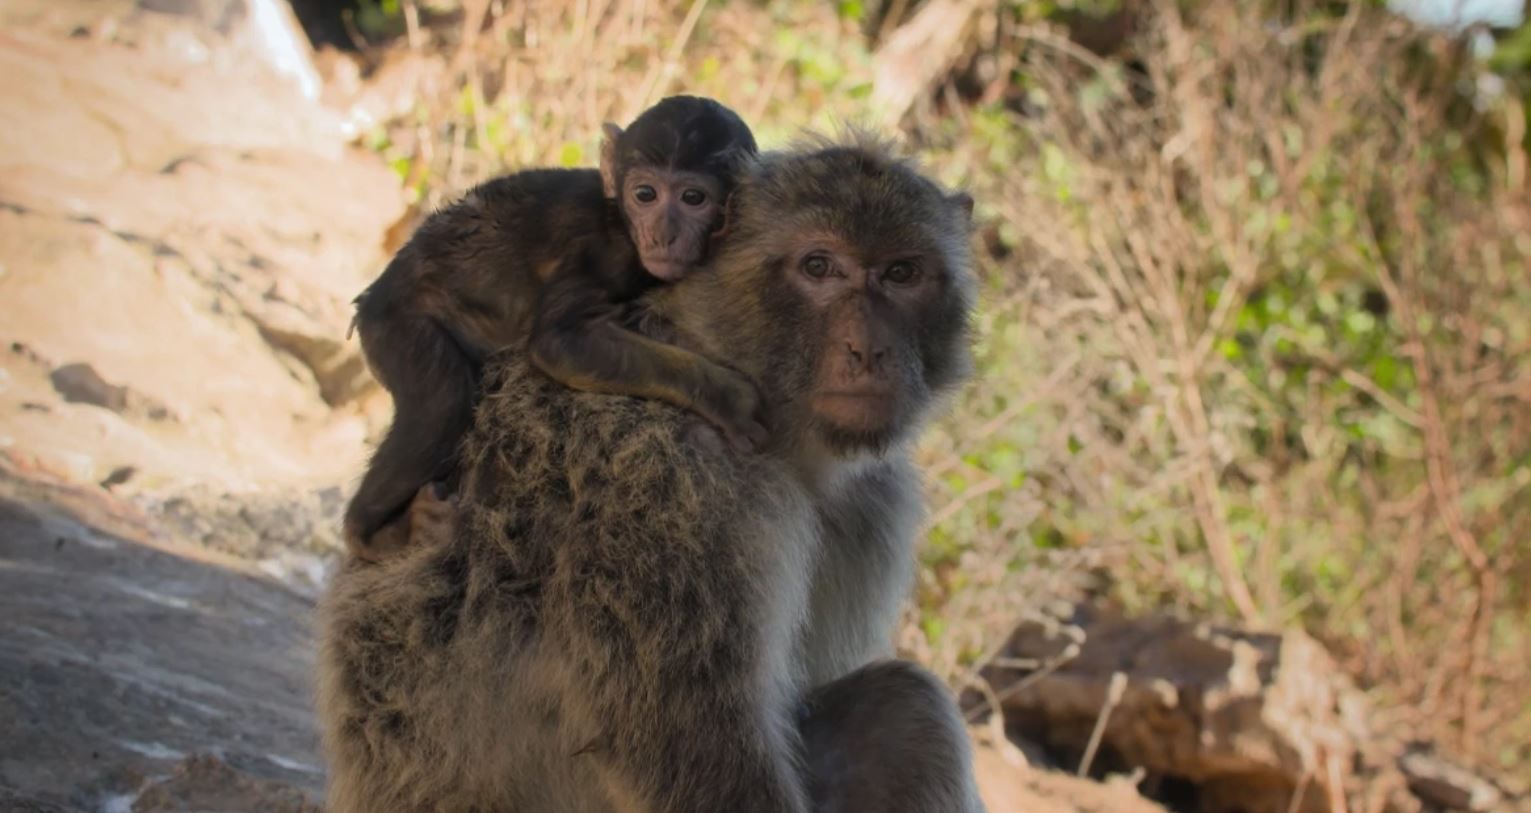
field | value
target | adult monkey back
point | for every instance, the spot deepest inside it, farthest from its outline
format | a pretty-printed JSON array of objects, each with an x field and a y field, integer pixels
[{"x": 622, "y": 620}]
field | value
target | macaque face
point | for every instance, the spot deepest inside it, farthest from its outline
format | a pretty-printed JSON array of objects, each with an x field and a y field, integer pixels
[
  {"x": 870, "y": 307},
  {"x": 845, "y": 290},
  {"x": 671, "y": 214}
]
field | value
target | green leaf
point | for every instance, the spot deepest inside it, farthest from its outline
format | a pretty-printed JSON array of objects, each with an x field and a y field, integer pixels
[
  {"x": 1360, "y": 322},
  {"x": 1385, "y": 372}
]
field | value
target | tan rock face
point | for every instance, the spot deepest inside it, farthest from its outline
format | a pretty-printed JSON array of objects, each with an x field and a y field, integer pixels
[{"x": 188, "y": 228}]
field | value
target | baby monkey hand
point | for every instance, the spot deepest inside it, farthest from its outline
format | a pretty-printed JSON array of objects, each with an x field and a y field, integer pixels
[{"x": 733, "y": 405}]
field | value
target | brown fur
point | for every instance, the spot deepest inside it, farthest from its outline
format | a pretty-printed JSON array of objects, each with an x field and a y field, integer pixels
[
  {"x": 546, "y": 261},
  {"x": 625, "y": 620}
]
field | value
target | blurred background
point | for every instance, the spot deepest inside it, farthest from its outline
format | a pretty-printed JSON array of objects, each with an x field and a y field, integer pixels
[{"x": 1236, "y": 515}]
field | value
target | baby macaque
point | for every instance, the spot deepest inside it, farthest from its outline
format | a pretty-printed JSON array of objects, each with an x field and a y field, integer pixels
[{"x": 550, "y": 260}]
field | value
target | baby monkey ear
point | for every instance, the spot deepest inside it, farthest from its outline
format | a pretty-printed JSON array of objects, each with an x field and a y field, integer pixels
[
  {"x": 963, "y": 202},
  {"x": 725, "y": 216},
  {"x": 609, "y": 158}
]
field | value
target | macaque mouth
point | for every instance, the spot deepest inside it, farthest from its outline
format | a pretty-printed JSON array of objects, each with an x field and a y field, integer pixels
[
  {"x": 862, "y": 408},
  {"x": 668, "y": 269}
]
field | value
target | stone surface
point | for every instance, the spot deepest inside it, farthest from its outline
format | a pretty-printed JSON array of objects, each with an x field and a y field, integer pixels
[
  {"x": 181, "y": 233},
  {"x": 206, "y": 783},
  {"x": 1450, "y": 787},
  {"x": 1243, "y": 721},
  {"x": 124, "y": 654},
  {"x": 1009, "y": 785}
]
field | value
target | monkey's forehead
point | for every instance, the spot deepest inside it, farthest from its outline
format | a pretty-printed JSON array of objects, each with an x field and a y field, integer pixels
[
  {"x": 869, "y": 232},
  {"x": 866, "y": 218},
  {"x": 874, "y": 202},
  {"x": 699, "y": 119},
  {"x": 844, "y": 178},
  {"x": 708, "y": 138}
]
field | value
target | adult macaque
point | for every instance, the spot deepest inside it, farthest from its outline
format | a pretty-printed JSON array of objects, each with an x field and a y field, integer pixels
[
  {"x": 624, "y": 620},
  {"x": 544, "y": 261}
]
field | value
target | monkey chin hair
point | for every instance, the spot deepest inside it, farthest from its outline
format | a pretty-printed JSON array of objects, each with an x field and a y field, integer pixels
[{"x": 850, "y": 442}]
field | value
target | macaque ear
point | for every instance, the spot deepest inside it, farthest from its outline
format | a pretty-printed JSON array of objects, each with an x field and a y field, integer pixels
[
  {"x": 737, "y": 159},
  {"x": 725, "y": 216},
  {"x": 963, "y": 202},
  {"x": 609, "y": 158}
]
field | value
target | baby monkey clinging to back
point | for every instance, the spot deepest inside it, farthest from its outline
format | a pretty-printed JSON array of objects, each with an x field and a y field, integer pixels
[{"x": 547, "y": 259}]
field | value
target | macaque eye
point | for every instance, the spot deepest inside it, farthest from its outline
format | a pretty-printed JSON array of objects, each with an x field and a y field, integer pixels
[
  {"x": 645, "y": 194},
  {"x": 693, "y": 197},
  {"x": 816, "y": 266},
  {"x": 901, "y": 273}
]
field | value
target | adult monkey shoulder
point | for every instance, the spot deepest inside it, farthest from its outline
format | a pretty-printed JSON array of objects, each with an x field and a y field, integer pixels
[{"x": 624, "y": 621}]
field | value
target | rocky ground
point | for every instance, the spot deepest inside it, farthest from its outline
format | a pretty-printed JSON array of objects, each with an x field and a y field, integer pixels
[
  {"x": 136, "y": 670},
  {"x": 182, "y": 226}
]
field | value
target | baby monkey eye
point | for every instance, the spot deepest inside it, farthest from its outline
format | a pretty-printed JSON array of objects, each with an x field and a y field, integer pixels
[
  {"x": 816, "y": 266},
  {"x": 693, "y": 197},
  {"x": 901, "y": 273},
  {"x": 645, "y": 194}
]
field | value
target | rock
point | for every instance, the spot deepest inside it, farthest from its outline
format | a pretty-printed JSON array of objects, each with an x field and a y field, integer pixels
[
  {"x": 338, "y": 369},
  {"x": 125, "y": 652},
  {"x": 1448, "y": 786},
  {"x": 1249, "y": 721},
  {"x": 1011, "y": 786},
  {"x": 270, "y": 526},
  {"x": 392, "y": 88},
  {"x": 118, "y": 476},
  {"x": 206, "y": 783},
  {"x": 11, "y": 802},
  {"x": 187, "y": 198},
  {"x": 81, "y": 384}
]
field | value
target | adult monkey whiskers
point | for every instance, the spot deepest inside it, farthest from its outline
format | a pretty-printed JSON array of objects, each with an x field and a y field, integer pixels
[{"x": 625, "y": 620}]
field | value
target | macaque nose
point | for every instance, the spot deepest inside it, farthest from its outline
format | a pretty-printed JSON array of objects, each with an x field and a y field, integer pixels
[
  {"x": 670, "y": 228},
  {"x": 866, "y": 357}
]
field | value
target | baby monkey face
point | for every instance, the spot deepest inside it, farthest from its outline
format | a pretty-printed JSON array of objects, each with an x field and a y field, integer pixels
[{"x": 672, "y": 213}]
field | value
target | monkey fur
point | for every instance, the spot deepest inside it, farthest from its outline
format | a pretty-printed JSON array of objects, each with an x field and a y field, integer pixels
[
  {"x": 622, "y": 620},
  {"x": 545, "y": 261}
]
